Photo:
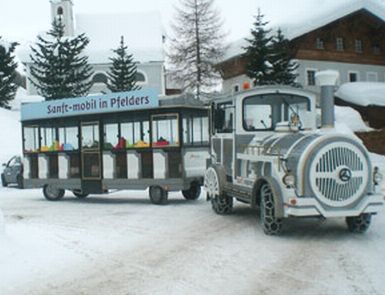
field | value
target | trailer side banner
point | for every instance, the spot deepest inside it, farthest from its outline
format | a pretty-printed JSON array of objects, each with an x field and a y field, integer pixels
[{"x": 113, "y": 102}]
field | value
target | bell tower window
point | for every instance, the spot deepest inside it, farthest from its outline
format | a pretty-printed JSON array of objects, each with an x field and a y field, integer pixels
[{"x": 60, "y": 10}]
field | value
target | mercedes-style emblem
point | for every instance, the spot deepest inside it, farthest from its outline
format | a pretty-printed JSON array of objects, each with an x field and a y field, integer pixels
[{"x": 345, "y": 174}]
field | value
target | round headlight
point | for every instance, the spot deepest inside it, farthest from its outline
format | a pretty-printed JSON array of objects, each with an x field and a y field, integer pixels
[{"x": 289, "y": 180}]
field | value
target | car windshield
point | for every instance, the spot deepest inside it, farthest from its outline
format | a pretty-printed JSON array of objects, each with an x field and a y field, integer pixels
[{"x": 264, "y": 112}]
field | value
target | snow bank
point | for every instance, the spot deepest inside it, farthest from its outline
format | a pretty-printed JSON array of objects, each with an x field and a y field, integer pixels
[
  {"x": 363, "y": 93},
  {"x": 2, "y": 225},
  {"x": 23, "y": 97},
  {"x": 351, "y": 118},
  {"x": 10, "y": 135}
]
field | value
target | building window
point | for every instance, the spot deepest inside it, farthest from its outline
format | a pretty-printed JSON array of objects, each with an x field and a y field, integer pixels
[
  {"x": 371, "y": 77},
  {"x": 139, "y": 77},
  {"x": 60, "y": 10},
  {"x": 310, "y": 75},
  {"x": 358, "y": 46},
  {"x": 376, "y": 49},
  {"x": 340, "y": 44},
  {"x": 320, "y": 43},
  {"x": 99, "y": 78},
  {"x": 352, "y": 76}
]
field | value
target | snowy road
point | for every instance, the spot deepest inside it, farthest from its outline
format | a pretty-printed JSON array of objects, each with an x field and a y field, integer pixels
[{"x": 121, "y": 244}]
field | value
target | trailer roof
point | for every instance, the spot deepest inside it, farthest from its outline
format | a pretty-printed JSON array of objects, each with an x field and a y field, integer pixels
[{"x": 104, "y": 104}]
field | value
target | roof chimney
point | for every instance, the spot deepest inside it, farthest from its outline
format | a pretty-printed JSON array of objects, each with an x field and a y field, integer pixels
[{"x": 327, "y": 80}]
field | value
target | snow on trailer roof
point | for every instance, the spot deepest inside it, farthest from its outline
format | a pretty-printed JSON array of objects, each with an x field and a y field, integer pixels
[
  {"x": 294, "y": 26},
  {"x": 103, "y": 104},
  {"x": 363, "y": 93}
]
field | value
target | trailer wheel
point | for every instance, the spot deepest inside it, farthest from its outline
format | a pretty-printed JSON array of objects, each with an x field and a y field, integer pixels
[
  {"x": 53, "y": 193},
  {"x": 3, "y": 181},
  {"x": 271, "y": 225},
  {"x": 20, "y": 181},
  {"x": 158, "y": 195},
  {"x": 359, "y": 224},
  {"x": 193, "y": 193},
  {"x": 79, "y": 194}
]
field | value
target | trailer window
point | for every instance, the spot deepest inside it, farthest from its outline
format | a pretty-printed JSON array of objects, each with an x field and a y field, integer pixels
[
  {"x": 111, "y": 137},
  {"x": 136, "y": 134},
  {"x": 49, "y": 141},
  {"x": 165, "y": 131},
  {"x": 68, "y": 138},
  {"x": 31, "y": 139},
  {"x": 195, "y": 130},
  {"x": 90, "y": 136}
]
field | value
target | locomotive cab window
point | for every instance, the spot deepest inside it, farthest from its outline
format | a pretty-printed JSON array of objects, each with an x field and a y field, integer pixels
[
  {"x": 266, "y": 112},
  {"x": 224, "y": 117}
]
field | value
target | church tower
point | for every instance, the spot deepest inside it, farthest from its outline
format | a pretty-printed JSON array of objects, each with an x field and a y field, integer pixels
[{"x": 64, "y": 9}]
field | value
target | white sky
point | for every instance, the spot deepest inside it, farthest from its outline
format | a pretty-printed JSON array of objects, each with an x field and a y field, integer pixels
[{"x": 22, "y": 20}]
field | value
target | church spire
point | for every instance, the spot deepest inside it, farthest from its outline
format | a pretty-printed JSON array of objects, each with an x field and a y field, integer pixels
[{"x": 64, "y": 10}]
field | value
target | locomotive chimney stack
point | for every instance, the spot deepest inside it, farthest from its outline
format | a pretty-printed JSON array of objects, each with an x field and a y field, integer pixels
[{"x": 327, "y": 80}]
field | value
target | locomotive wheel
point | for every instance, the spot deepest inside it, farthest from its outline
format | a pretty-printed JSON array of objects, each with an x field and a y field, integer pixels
[
  {"x": 193, "y": 192},
  {"x": 20, "y": 182},
  {"x": 222, "y": 204},
  {"x": 271, "y": 225},
  {"x": 79, "y": 194},
  {"x": 359, "y": 224},
  {"x": 53, "y": 193},
  {"x": 214, "y": 182},
  {"x": 158, "y": 195},
  {"x": 3, "y": 181}
]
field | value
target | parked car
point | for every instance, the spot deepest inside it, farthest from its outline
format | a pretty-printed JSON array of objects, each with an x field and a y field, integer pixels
[{"x": 13, "y": 172}]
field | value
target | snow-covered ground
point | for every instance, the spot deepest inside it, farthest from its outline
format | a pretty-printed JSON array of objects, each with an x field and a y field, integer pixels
[{"x": 121, "y": 244}]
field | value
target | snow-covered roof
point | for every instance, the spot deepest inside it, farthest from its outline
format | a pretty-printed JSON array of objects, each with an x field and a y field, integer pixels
[
  {"x": 295, "y": 27},
  {"x": 143, "y": 34},
  {"x": 363, "y": 93}
]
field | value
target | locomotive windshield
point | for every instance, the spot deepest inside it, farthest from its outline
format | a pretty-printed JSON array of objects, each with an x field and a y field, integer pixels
[{"x": 264, "y": 112}]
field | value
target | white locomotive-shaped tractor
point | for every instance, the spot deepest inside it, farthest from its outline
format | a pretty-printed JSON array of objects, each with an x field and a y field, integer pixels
[{"x": 266, "y": 150}]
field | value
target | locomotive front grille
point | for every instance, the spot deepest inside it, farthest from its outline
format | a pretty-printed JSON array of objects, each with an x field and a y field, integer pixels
[{"x": 339, "y": 174}]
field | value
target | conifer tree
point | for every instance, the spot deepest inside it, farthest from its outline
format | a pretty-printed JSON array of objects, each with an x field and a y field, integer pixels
[
  {"x": 59, "y": 68},
  {"x": 7, "y": 73},
  {"x": 196, "y": 47},
  {"x": 258, "y": 52},
  {"x": 122, "y": 74},
  {"x": 283, "y": 66}
]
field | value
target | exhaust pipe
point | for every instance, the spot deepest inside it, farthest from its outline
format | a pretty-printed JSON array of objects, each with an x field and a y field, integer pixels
[{"x": 327, "y": 80}]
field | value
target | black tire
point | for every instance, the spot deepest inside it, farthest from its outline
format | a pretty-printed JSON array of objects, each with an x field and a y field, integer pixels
[
  {"x": 158, "y": 195},
  {"x": 52, "y": 193},
  {"x": 193, "y": 193},
  {"x": 359, "y": 224},
  {"x": 270, "y": 224},
  {"x": 3, "y": 181},
  {"x": 79, "y": 194},
  {"x": 222, "y": 204},
  {"x": 20, "y": 181}
]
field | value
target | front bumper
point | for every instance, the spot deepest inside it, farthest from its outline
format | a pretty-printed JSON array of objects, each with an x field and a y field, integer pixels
[{"x": 312, "y": 207}]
